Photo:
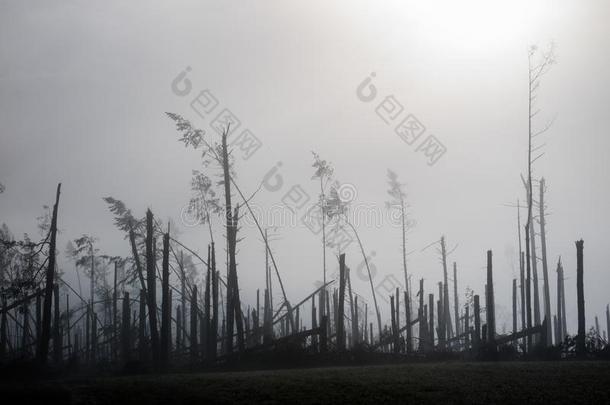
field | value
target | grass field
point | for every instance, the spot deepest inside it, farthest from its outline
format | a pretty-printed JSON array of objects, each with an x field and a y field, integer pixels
[{"x": 455, "y": 382}]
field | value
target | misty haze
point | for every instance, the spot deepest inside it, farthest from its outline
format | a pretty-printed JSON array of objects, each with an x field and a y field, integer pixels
[{"x": 304, "y": 202}]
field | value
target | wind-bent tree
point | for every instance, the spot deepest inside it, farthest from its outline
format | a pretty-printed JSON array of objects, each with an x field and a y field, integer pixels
[
  {"x": 323, "y": 173},
  {"x": 194, "y": 137},
  {"x": 398, "y": 201},
  {"x": 338, "y": 209},
  {"x": 84, "y": 252}
]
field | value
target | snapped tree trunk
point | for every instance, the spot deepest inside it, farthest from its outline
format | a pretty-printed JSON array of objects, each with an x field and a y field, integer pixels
[
  {"x": 545, "y": 271},
  {"x": 580, "y": 295},
  {"x": 43, "y": 348},
  {"x": 151, "y": 288},
  {"x": 126, "y": 330},
  {"x": 341, "y": 302},
  {"x": 166, "y": 316},
  {"x": 490, "y": 307}
]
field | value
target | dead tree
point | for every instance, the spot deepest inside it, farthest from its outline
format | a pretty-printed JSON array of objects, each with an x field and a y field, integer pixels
[
  {"x": 408, "y": 320},
  {"x": 490, "y": 304},
  {"x": 353, "y": 309},
  {"x": 214, "y": 327},
  {"x": 166, "y": 315},
  {"x": 194, "y": 346},
  {"x": 535, "y": 71},
  {"x": 456, "y": 301},
  {"x": 477, "y": 323},
  {"x": 126, "y": 330},
  {"x": 43, "y": 348},
  {"x": 151, "y": 287},
  {"x": 341, "y": 303},
  {"x": 3, "y": 330},
  {"x": 115, "y": 329},
  {"x": 394, "y": 331},
  {"x": 442, "y": 325},
  {"x": 207, "y": 321},
  {"x": 545, "y": 271},
  {"x": 514, "y": 305},
  {"x": 142, "y": 343},
  {"x": 431, "y": 315},
  {"x": 580, "y": 295},
  {"x": 233, "y": 309},
  {"x": 559, "y": 329},
  {"x": 445, "y": 297},
  {"x": 564, "y": 323},
  {"x": 608, "y": 321},
  {"x": 57, "y": 341},
  {"x": 522, "y": 291}
]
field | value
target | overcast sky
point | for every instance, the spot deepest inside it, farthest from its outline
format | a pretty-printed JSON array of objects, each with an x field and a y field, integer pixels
[{"x": 84, "y": 87}]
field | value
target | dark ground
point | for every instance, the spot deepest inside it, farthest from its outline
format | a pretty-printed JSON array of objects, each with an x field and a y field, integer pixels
[{"x": 565, "y": 382}]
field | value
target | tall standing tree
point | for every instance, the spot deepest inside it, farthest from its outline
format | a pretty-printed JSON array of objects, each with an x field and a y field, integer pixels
[{"x": 539, "y": 64}]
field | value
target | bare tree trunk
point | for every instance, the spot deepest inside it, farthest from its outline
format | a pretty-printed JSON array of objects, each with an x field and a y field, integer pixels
[
  {"x": 183, "y": 297},
  {"x": 580, "y": 292},
  {"x": 564, "y": 324},
  {"x": 208, "y": 339},
  {"x": 528, "y": 294},
  {"x": 57, "y": 340},
  {"x": 194, "y": 346},
  {"x": 142, "y": 344},
  {"x": 214, "y": 327},
  {"x": 46, "y": 316},
  {"x": 456, "y": 301},
  {"x": 442, "y": 329},
  {"x": 431, "y": 314},
  {"x": 514, "y": 306},
  {"x": 353, "y": 309},
  {"x": 490, "y": 306},
  {"x": 545, "y": 271},
  {"x": 93, "y": 358},
  {"x": 477, "y": 323},
  {"x": 445, "y": 297},
  {"x": 3, "y": 331},
  {"x": 408, "y": 320},
  {"x": 341, "y": 302},
  {"x": 559, "y": 330},
  {"x": 151, "y": 288},
  {"x": 126, "y": 330},
  {"x": 394, "y": 330},
  {"x": 522, "y": 290},
  {"x": 115, "y": 308},
  {"x": 166, "y": 315},
  {"x": 608, "y": 321}
]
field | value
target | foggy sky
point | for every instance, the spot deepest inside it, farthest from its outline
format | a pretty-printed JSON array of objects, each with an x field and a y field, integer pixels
[{"x": 84, "y": 88}]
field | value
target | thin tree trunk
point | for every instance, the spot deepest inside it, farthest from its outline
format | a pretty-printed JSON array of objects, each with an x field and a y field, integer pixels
[
  {"x": 490, "y": 307},
  {"x": 46, "y": 316},
  {"x": 456, "y": 301},
  {"x": 341, "y": 302},
  {"x": 142, "y": 344},
  {"x": 194, "y": 346},
  {"x": 166, "y": 316},
  {"x": 57, "y": 340},
  {"x": 545, "y": 272},
  {"x": 431, "y": 314},
  {"x": 580, "y": 292},
  {"x": 477, "y": 323},
  {"x": 152, "y": 288},
  {"x": 126, "y": 330},
  {"x": 445, "y": 297}
]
